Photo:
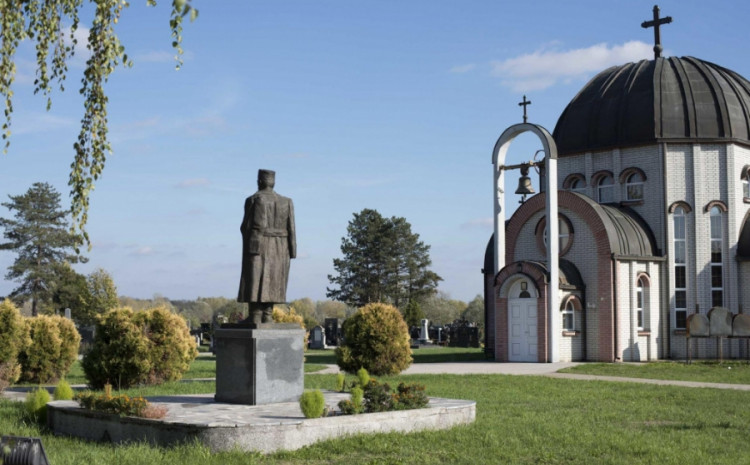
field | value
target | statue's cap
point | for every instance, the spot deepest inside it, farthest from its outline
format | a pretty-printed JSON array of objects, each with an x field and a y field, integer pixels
[{"x": 267, "y": 176}]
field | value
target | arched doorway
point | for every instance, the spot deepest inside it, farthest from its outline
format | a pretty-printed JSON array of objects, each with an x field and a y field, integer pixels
[{"x": 523, "y": 321}]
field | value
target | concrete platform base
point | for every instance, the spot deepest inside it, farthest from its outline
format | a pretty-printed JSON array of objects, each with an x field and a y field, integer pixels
[{"x": 262, "y": 428}]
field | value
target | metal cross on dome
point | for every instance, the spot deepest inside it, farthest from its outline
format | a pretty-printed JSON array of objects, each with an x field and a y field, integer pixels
[
  {"x": 655, "y": 23},
  {"x": 524, "y": 104}
]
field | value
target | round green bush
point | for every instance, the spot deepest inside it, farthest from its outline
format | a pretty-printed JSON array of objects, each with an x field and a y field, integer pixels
[
  {"x": 170, "y": 346},
  {"x": 148, "y": 347},
  {"x": 375, "y": 338},
  {"x": 50, "y": 350},
  {"x": 312, "y": 403},
  {"x": 119, "y": 354},
  {"x": 12, "y": 341},
  {"x": 63, "y": 391}
]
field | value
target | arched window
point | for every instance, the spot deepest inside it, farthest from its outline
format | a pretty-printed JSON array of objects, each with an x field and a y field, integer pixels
[
  {"x": 577, "y": 185},
  {"x": 717, "y": 268},
  {"x": 568, "y": 316},
  {"x": 745, "y": 178},
  {"x": 634, "y": 187},
  {"x": 680, "y": 267},
  {"x": 605, "y": 189},
  {"x": 575, "y": 182},
  {"x": 641, "y": 304}
]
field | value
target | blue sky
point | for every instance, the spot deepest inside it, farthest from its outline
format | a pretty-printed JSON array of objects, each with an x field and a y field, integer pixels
[{"x": 391, "y": 105}]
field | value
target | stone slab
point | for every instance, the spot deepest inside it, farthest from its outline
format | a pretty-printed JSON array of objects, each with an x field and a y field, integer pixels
[
  {"x": 259, "y": 366},
  {"x": 259, "y": 428}
]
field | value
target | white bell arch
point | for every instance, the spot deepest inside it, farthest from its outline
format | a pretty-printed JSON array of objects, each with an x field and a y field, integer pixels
[{"x": 498, "y": 160}]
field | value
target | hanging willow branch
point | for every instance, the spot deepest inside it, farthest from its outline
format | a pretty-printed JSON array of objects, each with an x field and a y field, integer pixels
[{"x": 51, "y": 25}]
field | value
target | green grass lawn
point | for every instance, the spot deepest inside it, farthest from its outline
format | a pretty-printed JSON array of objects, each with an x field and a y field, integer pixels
[
  {"x": 421, "y": 355},
  {"x": 520, "y": 420},
  {"x": 733, "y": 372}
]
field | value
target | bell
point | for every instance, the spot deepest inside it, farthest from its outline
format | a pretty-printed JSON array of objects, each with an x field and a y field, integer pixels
[{"x": 524, "y": 182}]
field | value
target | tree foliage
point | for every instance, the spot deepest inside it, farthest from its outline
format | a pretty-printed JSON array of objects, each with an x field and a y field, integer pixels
[
  {"x": 413, "y": 313},
  {"x": 441, "y": 309},
  {"x": 383, "y": 261},
  {"x": 51, "y": 25},
  {"x": 40, "y": 236}
]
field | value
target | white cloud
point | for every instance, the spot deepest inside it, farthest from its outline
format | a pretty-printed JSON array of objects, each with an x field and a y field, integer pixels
[
  {"x": 460, "y": 69},
  {"x": 81, "y": 35},
  {"x": 143, "y": 251},
  {"x": 479, "y": 223},
  {"x": 544, "y": 68},
  {"x": 194, "y": 182}
]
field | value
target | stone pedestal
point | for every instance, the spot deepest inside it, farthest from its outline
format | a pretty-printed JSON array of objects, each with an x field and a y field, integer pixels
[{"x": 262, "y": 364}]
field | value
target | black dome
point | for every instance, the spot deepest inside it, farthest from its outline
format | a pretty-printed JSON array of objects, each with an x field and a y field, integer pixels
[{"x": 667, "y": 99}]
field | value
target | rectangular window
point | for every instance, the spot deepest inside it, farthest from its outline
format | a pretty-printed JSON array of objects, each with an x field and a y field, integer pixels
[
  {"x": 568, "y": 322},
  {"x": 745, "y": 188},
  {"x": 639, "y": 306},
  {"x": 717, "y": 268},
  {"x": 680, "y": 319},
  {"x": 680, "y": 268}
]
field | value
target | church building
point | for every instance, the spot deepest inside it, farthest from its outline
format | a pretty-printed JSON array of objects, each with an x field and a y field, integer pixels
[{"x": 653, "y": 202}]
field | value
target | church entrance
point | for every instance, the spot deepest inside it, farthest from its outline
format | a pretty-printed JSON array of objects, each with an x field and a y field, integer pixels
[{"x": 522, "y": 322}]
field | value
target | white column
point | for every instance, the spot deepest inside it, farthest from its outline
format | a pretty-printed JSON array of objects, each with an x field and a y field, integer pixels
[{"x": 498, "y": 159}]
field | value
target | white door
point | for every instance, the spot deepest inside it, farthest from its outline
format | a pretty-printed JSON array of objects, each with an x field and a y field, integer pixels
[{"x": 522, "y": 325}]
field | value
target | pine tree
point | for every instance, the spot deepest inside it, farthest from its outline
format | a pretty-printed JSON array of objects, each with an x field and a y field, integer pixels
[
  {"x": 383, "y": 261},
  {"x": 41, "y": 238}
]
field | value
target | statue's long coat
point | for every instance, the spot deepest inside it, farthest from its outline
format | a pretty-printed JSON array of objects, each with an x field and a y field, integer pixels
[{"x": 268, "y": 242}]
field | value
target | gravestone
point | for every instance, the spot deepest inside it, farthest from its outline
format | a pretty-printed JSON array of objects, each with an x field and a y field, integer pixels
[
  {"x": 333, "y": 331},
  {"x": 424, "y": 332},
  {"x": 317, "y": 338}
]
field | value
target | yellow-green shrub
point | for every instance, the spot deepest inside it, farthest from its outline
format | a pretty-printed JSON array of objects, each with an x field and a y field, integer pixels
[
  {"x": 312, "y": 403},
  {"x": 36, "y": 404},
  {"x": 375, "y": 338},
  {"x": 11, "y": 343},
  {"x": 148, "y": 347},
  {"x": 280, "y": 316},
  {"x": 50, "y": 350},
  {"x": 63, "y": 391},
  {"x": 170, "y": 346},
  {"x": 119, "y": 353}
]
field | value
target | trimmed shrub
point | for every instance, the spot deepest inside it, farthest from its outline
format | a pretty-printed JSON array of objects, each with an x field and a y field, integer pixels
[
  {"x": 119, "y": 405},
  {"x": 12, "y": 341},
  {"x": 171, "y": 347},
  {"x": 410, "y": 396},
  {"x": 375, "y": 338},
  {"x": 312, "y": 403},
  {"x": 148, "y": 347},
  {"x": 364, "y": 377},
  {"x": 63, "y": 391},
  {"x": 50, "y": 350},
  {"x": 354, "y": 405},
  {"x": 120, "y": 352},
  {"x": 340, "y": 381},
  {"x": 36, "y": 404}
]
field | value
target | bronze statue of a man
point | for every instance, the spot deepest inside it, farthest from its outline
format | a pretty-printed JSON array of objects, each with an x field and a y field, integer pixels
[{"x": 268, "y": 243}]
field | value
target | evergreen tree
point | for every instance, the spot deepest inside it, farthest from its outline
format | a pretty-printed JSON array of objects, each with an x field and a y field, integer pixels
[
  {"x": 383, "y": 261},
  {"x": 413, "y": 314},
  {"x": 41, "y": 238}
]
